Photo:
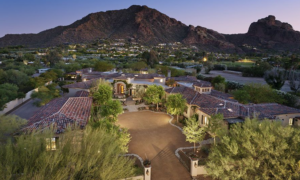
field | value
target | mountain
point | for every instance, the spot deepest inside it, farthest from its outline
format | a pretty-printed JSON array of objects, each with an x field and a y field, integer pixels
[
  {"x": 147, "y": 25},
  {"x": 151, "y": 27},
  {"x": 268, "y": 33}
]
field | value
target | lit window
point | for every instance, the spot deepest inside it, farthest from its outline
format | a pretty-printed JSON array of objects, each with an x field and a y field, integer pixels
[
  {"x": 50, "y": 144},
  {"x": 230, "y": 110},
  {"x": 291, "y": 121},
  {"x": 205, "y": 121}
]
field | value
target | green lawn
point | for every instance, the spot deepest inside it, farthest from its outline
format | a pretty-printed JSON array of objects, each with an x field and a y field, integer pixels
[{"x": 244, "y": 64}]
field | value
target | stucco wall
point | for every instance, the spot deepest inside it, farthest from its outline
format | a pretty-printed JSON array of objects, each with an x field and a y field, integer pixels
[
  {"x": 285, "y": 118},
  {"x": 12, "y": 104},
  {"x": 201, "y": 170}
]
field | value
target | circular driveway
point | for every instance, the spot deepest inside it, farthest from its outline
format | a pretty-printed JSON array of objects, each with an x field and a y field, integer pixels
[{"x": 154, "y": 138}]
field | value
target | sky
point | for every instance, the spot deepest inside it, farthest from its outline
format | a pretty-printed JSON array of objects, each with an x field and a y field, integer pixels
[{"x": 224, "y": 16}]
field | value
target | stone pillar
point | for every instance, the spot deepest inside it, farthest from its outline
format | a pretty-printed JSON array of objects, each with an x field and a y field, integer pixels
[
  {"x": 147, "y": 173},
  {"x": 194, "y": 167}
]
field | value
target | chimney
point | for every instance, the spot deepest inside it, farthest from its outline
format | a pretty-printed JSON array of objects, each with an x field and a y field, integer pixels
[{"x": 169, "y": 73}]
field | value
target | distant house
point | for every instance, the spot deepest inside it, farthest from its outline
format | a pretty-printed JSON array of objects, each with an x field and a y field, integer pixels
[{"x": 43, "y": 70}]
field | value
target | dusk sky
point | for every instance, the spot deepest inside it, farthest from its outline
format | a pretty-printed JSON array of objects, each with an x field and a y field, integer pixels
[{"x": 224, "y": 16}]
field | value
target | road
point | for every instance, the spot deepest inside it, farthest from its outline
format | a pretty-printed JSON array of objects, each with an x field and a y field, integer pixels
[
  {"x": 26, "y": 110},
  {"x": 244, "y": 80}
]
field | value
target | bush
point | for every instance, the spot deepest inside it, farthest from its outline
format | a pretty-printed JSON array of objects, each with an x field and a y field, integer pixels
[
  {"x": 220, "y": 87},
  {"x": 232, "y": 85},
  {"x": 218, "y": 80}
]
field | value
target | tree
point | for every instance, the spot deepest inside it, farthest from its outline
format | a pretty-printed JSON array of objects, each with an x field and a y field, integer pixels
[
  {"x": 103, "y": 95},
  {"x": 154, "y": 94},
  {"x": 53, "y": 57},
  {"x": 256, "y": 150},
  {"x": 8, "y": 92},
  {"x": 275, "y": 78},
  {"x": 103, "y": 66},
  {"x": 8, "y": 125},
  {"x": 192, "y": 131},
  {"x": 294, "y": 81},
  {"x": 29, "y": 57},
  {"x": 257, "y": 93},
  {"x": 16, "y": 77},
  {"x": 96, "y": 83},
  {"x": 88, "y": 154},
  {"x": 111, "y": 109},
  {"x": 140, "y": 92},
  {"x": 208, "y": 66},
  {"x": 176, "y": 104},
  {"x": 220, "y": 87},
  {"x": 138, "y": 65},
  {"x": 216, "y": 126},
  {"x": 242, "y": 96},
  {"x": 218, "y": 80},
  {"x": 45, "y": 94}
]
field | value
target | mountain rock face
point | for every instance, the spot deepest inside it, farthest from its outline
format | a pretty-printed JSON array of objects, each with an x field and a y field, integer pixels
[
  {"x": 268, "y": 33},
  {"x": 147, "y": 25},
  {"x": 151, "y": 27}
]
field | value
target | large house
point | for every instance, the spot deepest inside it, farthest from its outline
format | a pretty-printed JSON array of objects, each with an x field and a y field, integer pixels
[{"x": 123, "y": 83}]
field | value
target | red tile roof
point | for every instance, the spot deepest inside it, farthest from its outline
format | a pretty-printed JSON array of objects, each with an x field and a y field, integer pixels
[
  {"x": 60, "y": 113},
  {"x": 212, "y": 104}
]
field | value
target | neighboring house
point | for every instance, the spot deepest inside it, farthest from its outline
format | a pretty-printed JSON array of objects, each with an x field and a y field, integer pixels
[
  {"x": 43, "y": 70},
  {"x": 204, "y": 102},
  {"x": 61, "y": 113}
]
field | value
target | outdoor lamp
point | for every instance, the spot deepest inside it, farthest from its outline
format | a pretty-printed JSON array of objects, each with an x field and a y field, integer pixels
[
  {"x": 147, "y": 172},
  {"x": 195, "y": 165}
]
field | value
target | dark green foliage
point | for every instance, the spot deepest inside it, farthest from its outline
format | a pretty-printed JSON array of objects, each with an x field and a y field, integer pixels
[
  {"x": 93, "y": 153},
  {"x": 45, "y": 94},
  {"x": 256, "y": 150},
  {"x": 176, "y": 104},
  {"x": 111, "y": 109},
  {"x": 218, "y": 80},
  {"x": 275, "y": 78},
  {"x": 103, "y": 94},
  {"x": 154, "y": 94},
  {"x": 8, "y": 92},
  {"x": 242, "y": 96},
  {"x": 257, "y": 93},
  {"x": 103, "y": 66},
  {"x": 138, "y": 65},
  {"x": 8, "y": 125}
]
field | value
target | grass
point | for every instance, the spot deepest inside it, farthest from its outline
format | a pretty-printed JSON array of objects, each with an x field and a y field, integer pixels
[{"x": 243, "y": 64}]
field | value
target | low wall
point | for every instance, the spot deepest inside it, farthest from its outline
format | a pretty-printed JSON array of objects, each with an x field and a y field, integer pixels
[
  {"x": 141, "y": 177},
  {"x": 201, "y": 170},
  {"x": 15, "y": 103}
]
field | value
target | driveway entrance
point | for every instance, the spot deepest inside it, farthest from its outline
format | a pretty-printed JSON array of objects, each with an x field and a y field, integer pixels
[{"x": 154, "y": 138}]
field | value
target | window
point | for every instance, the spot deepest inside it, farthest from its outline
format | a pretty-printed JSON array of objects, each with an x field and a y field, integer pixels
[
  {"x": 51, "y": 144},
  {"x": 205, "y": 120},
  {"x": 291, "y": 122}
]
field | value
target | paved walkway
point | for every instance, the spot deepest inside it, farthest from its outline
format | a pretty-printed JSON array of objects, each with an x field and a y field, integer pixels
[
  {"x": 130, "y": 105},
  {"x": 154, "y": 138}
]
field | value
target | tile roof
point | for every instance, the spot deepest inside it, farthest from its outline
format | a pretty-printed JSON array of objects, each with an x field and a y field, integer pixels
[
  {"x": 200, "y": 83},
  {"x": 80, "y": 85},
  {"x": 222, "y": 95},
  {"x": 213, "y": 104},
  {"x": 60, "y": 113},
  {"x": 81, "y": 94},
  {"x": 184, "y": 78}
]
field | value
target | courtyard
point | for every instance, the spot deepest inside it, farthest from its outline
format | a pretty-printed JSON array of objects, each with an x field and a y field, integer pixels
[{"x": 153, "y": 138}]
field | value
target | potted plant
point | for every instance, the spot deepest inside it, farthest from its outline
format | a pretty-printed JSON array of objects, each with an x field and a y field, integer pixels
[
  {"x": 194, "y": 156},
  {"x": 147, "y": 163}
]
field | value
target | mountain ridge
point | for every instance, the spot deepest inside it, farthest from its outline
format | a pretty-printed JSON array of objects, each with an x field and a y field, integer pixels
[{"x": 151, "y": 27}]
